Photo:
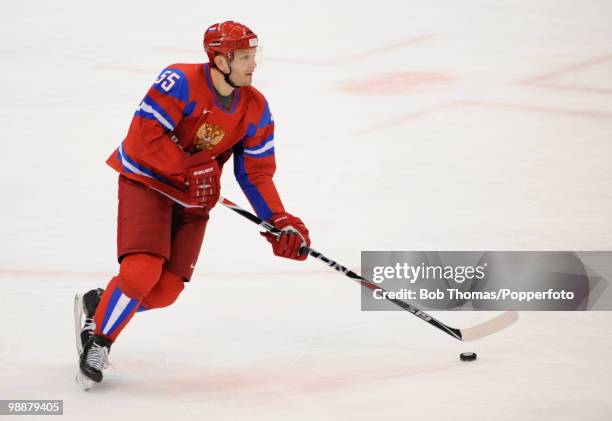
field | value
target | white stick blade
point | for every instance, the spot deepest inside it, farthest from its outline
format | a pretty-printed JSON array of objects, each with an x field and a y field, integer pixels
[{"x": 489, "y": 327}]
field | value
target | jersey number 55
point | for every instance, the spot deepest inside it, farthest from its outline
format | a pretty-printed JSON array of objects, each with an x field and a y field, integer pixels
[{"x": 167, "y": 80}]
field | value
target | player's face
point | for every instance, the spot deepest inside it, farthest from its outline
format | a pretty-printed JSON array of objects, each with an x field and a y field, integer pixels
[{"x": 243, "y": 66}]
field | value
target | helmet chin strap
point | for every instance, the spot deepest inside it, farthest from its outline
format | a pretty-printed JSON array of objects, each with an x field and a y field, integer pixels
[{"x": 226, "y": 76}]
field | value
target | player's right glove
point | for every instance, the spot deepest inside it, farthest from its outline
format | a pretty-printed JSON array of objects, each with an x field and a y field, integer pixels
[
  {"x": 294, "y": 236},
  {"x": 202, "y": 177}
]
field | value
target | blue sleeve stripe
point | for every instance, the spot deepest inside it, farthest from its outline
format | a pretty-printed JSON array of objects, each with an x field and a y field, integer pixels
[
  {"x": 262, "y": 147},
  {"x": 251, "y": 130},
  {"x": 266, "y": 117},
  {"x": 148, "y": 107},
  {"x": 142, "y": 114},
  {"x": 177, "y": 87},
  {"x": 132, "y": 167},
  {"x": 257, "y": 201},
  {"x": 265, "y": 120},
  {"x": 189, "y": 108}
]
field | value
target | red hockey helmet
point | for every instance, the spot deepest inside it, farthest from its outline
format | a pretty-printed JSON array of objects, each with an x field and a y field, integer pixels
[{"x": 226, "y": 37}]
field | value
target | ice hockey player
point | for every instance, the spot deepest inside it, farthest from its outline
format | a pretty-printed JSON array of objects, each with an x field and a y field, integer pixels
[{"x": 191, "y": 121}]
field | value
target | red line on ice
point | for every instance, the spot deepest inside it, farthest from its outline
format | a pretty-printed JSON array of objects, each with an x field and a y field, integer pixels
[
  {"x": 539, "y": 79},
  {"x": 520, "y": 107}
]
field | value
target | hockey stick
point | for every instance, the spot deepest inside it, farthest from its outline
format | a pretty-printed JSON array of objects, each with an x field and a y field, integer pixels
[{"x": 481, "y": 330}]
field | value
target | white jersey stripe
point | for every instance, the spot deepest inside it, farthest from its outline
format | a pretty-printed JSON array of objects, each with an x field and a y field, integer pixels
[
  {"x": 264, "y": 148},
  {"x": 129, "y": 166},
  {"x": 148, "y": 109}
]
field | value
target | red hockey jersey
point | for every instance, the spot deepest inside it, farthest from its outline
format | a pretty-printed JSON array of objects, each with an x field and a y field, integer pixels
[{"x": 181, "y": 116}]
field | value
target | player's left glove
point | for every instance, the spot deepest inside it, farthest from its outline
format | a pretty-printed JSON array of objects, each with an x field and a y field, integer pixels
[{"x": 294, "y": 236}]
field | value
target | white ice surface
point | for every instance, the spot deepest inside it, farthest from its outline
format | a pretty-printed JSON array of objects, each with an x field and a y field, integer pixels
[{"x": 495, "y": 133}]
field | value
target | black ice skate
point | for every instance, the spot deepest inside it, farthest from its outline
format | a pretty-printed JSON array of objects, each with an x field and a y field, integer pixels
[
  {"x": 93, "y": 360},
  {"x": 84, "y": 309}
]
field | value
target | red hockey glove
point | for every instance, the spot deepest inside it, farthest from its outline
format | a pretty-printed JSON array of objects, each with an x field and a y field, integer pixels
[
  {"x": 202, "y": 177},
  {"x": 294, "y": 236}
]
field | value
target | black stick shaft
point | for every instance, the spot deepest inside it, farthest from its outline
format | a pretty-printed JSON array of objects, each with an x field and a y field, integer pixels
[{"x": 455, "y": 333}]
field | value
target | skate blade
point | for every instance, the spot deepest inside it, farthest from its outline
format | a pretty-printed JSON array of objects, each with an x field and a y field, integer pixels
[
  {"x": 84, "y": 382},
  {"x": 78, "y": 322}
]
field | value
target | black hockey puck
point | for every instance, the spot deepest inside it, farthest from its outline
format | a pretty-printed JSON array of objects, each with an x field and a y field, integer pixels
[{"x": 467, "y": 356}]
